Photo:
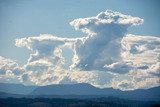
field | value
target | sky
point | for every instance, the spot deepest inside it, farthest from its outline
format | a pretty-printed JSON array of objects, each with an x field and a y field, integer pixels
[{"x": 107, "y": 43}]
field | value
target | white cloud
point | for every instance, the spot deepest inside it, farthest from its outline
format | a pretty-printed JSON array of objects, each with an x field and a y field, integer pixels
[
  {"x": 141, "y": 49},
  {"x": 106, "y": 57},
  {"x": 102, "y": 44},
  {"x": 135, "y": 80},
  {"x": 42, "y": 47},
  {"x": 10, "y": 70},
  {"x": 106, "y": 22},
  {"x": 46, "y": 52},
  {"x": 61, "y": 76},
  {"x": 127, "y": 74},
  {"x": 45, "y": 58},
  {"x": 8, "y": 64}
]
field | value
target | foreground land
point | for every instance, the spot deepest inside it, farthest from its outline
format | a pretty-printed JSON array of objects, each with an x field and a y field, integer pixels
[{"x": 59, "y": 102}]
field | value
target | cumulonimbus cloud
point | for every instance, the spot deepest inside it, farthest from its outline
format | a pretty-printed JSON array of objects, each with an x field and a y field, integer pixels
[
  {"x": 102, "y": 44},
  {"x": 105, "y": 57}
]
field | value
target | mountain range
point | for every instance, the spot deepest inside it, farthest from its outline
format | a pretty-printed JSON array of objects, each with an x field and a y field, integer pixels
[{"x": 80, "y": 90}]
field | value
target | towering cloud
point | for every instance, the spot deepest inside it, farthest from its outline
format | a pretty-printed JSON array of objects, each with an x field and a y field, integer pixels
[
  {"x": 105, "y": 57},
  {"x": 45, "y": 58},
  {"x": 102, "y": 44}
]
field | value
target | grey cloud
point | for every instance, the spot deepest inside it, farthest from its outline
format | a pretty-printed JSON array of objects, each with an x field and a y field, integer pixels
[
  {"x": 119, "y": 67},
  {"x": 143, "y": 67},
  {"x": 2, "y": 71}
]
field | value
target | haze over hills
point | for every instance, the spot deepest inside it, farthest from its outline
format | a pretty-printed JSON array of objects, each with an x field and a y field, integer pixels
[{"x": 81, "y": 90}]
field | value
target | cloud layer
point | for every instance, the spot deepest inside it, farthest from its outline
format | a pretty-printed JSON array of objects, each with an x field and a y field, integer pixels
[{"x": 105, "y": 57}]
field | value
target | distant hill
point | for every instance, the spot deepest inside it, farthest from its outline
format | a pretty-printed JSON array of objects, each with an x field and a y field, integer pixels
[
  {"x": 81, "y": 90},
  {"x": 71, "y": 89},
  {"x": 87, "y": 89},
  {"x": 7, "y": 95},
  {"x": 142, "y": 94},
  {"x": 16, "y": 88}
]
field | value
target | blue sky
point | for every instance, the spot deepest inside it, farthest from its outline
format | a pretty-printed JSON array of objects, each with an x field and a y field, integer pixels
[
  {"x": 50, "y": 42},
  {"x": 22, "y": 18}
]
